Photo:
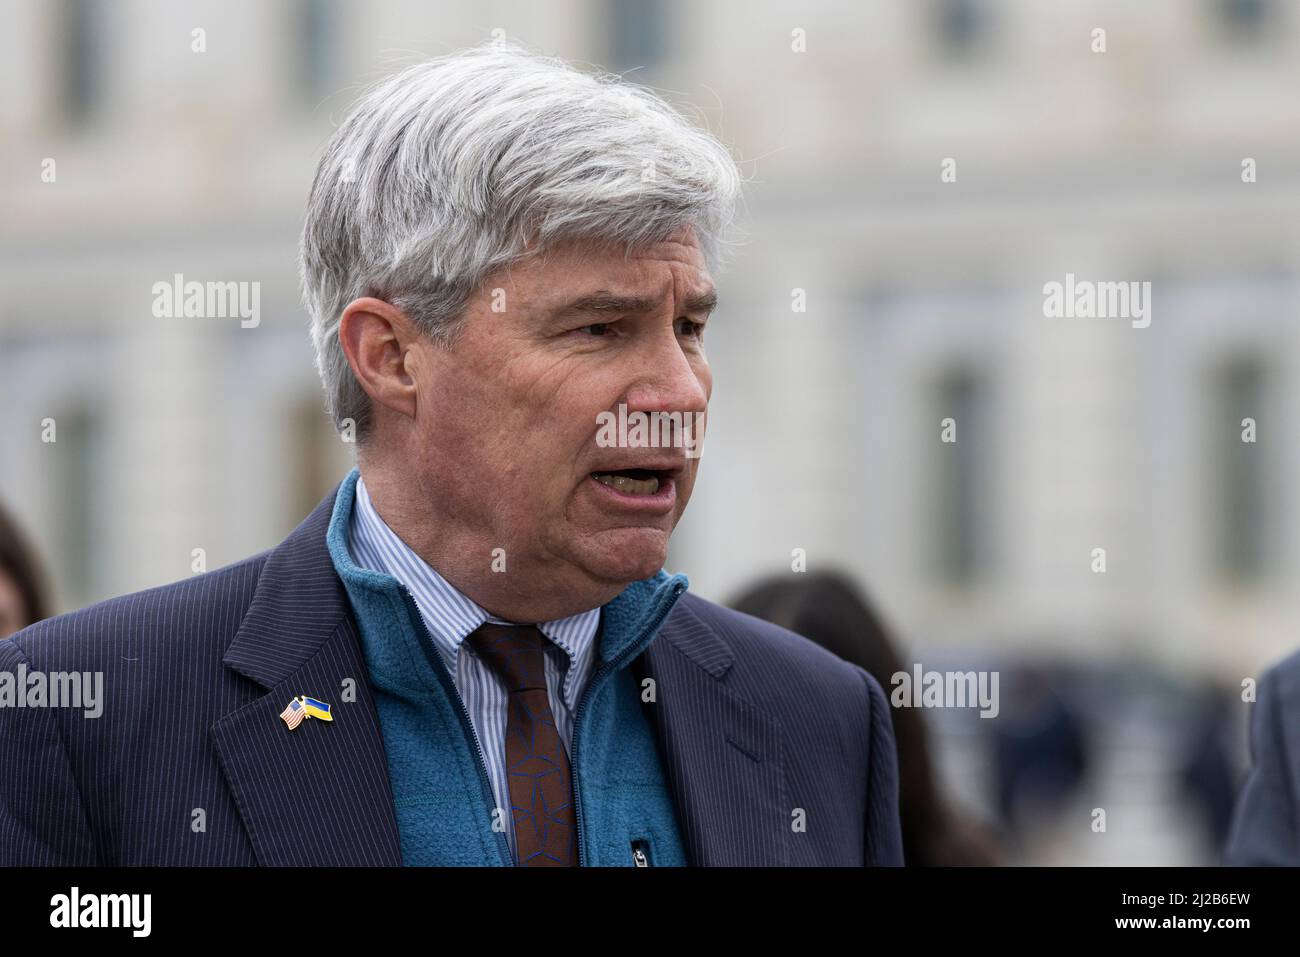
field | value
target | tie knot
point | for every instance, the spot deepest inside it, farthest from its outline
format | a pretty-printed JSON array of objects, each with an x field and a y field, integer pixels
[{"x": 515, "y": 652}]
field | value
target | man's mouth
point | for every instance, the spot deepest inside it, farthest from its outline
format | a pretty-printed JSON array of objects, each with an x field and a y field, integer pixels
[{"x": 632, "y": 481}]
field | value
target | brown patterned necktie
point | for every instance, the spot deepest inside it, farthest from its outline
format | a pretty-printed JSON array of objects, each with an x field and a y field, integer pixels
[{"x": 537, "y": 766}]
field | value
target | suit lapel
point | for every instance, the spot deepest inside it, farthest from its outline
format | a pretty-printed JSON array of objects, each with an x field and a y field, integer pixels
[
  {"x": 723, "y": 754},
  {"x": 319, "y": 794}
]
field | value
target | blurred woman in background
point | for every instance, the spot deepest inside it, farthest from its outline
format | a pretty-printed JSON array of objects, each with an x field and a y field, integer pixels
[{"x": 23, "y": 596}]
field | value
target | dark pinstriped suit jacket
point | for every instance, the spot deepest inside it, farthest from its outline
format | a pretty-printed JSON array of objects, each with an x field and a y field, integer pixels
[{"x": 776, "y": 751}]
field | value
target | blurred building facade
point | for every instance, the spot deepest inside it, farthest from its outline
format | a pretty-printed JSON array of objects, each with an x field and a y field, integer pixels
[{"x": 923, "y": 297}]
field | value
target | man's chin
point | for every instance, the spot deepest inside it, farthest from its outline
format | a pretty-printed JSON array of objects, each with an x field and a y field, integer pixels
[{"x": 626, "y": 555}]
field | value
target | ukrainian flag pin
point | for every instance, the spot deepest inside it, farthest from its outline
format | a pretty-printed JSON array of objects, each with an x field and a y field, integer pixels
[{"x": 303, "y": 707}]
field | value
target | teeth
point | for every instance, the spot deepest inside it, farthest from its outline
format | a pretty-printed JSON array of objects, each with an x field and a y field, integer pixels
[{"x": 629, "y": 485}]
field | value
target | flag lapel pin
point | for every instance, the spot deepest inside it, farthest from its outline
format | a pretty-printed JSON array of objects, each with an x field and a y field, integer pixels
[{"x": 301, "y": 708}]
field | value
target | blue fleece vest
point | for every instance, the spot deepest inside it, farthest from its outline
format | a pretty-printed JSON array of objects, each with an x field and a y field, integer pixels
[{"x": 441, "y": 791}]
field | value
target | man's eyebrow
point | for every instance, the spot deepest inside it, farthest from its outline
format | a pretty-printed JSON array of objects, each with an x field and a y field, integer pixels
[
  {"x": 606, "y": 304},
  {"x": 704, "y": 302}
]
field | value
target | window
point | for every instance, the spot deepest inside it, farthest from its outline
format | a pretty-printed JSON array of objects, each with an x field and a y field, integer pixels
[
  {"x": 83, "y": 508},
  {"x": 1240, "y": 470},
  {"x": 81, "y": 57},
  {"x": 1246, "y": 20},
  {"x": 961, "y": 26},
  {"x": 962, "y": 543},
  {"x": 636, "y": 34},
  {"x": 316, "y": 32}
]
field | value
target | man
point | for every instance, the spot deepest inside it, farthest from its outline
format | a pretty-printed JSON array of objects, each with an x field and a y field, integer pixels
[
  {"x": 469, "y": 653},
  {"x": 1266, "y": 821}
]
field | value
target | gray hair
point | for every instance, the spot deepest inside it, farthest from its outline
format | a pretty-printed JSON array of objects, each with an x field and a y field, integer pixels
[{"x": 446, "y": 171}]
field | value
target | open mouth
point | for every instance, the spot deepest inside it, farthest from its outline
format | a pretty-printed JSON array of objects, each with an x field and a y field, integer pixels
[{"x": 633, "y": 481}]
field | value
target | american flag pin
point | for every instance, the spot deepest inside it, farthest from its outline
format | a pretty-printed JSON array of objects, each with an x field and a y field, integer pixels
[
  {"x": 294, "y": 714},
  {"x": 303, "y": 707}
]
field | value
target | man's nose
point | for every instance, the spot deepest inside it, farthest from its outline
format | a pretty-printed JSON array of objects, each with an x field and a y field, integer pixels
[{"x": 667, "y": 380}]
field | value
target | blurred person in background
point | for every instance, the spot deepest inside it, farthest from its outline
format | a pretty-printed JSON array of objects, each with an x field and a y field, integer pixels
[
  {"x": 1042, "y": 755},
  {"x": 827, "y": 608},
  {"x": 1206, "y": 773},
  {"x": 1266, "y": 820},
  {"x": 23, "y": 596}
]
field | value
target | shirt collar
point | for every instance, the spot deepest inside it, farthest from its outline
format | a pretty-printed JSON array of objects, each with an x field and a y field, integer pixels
[{"x": 449, "y": 614}]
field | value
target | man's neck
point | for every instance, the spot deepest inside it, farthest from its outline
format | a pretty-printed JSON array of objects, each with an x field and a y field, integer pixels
[{"x": 520, "y": 594}]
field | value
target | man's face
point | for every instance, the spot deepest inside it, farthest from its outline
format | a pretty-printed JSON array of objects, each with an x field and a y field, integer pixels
[
  {"x": 12, "y": 614},
  {"x": 508, "y": 416}
]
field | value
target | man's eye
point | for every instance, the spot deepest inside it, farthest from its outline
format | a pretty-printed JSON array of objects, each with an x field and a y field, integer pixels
[
  {"x": 596, "y": 329},
  {"x": 688, "y": 327}
]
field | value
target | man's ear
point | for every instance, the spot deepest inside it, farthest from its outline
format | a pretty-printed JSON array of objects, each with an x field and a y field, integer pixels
[{"x": 376, "y": 338}]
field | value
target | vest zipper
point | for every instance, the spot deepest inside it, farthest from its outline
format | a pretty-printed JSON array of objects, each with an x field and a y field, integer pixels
[
  {"x": 604, "y": 669},
  {"x": 449, "y": 685},
  {"x": 639, "y": 856}
]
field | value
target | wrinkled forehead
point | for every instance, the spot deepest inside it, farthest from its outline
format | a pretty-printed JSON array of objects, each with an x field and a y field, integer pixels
[{"x": 584, "y": 278}]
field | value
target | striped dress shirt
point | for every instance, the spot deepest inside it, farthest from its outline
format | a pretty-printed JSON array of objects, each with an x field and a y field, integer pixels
[{"x": 451, "y": 617}]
